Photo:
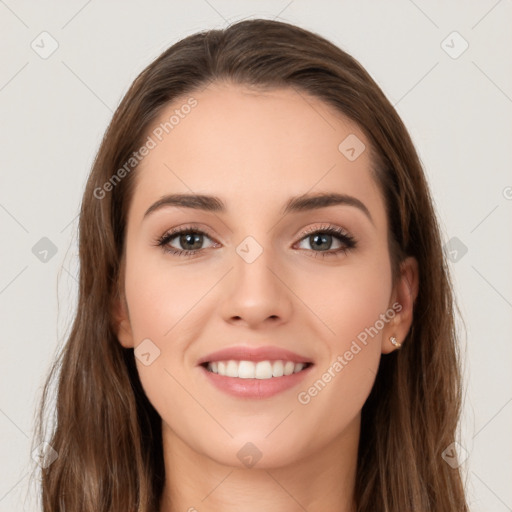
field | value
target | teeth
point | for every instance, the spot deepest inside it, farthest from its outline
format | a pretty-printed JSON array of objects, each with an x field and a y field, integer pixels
[
  {"x": 277, "y": 369},
  {"x": 246, "y": 370},
  {"x": 289, "y": 367},
  {"x": 232, "y": 369},
  {"x": 250, "y": 370}
]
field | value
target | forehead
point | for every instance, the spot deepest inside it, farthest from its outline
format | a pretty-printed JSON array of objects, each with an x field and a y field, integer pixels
[{"x": 247, "y": 145}]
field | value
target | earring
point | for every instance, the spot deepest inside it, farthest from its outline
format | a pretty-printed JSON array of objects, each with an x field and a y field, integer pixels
[{"x": 395, "y": 342}]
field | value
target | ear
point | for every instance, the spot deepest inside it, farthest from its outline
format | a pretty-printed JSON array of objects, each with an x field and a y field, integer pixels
[
  {"x": 122, "y": 324},
  {"x": 403, "y": 296}
]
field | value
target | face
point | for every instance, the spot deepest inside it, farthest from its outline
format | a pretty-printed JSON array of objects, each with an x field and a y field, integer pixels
[{"x": 259, "y": 275}]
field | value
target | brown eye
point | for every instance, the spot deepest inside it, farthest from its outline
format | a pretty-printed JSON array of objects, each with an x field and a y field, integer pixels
[{"x": 189, "y": 242}]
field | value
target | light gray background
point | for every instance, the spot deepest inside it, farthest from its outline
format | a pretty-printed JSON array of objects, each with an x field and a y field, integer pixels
[{"x": 54, "y": 112}]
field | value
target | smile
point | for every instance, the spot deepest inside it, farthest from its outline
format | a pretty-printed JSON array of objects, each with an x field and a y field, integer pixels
[
  {"x": 250, "y": 380},
  {"x": 255, "y": 370}
]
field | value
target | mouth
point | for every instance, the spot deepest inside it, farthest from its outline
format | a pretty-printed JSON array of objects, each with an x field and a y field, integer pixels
[
  {"x": 262, "y": 370},
  {"x": 254, "y": 373}
]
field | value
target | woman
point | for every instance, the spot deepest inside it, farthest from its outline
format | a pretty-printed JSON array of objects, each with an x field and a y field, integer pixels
[{"x": 265, "y": 317}]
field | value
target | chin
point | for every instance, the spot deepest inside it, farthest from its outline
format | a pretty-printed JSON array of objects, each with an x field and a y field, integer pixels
[{"x": 255, "y": 451}]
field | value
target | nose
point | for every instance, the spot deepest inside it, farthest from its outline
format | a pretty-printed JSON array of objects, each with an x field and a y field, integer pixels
[{"x": 256, "y": 290}]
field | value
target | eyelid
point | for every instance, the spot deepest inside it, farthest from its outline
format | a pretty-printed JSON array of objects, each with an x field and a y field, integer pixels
[
  {"x": 322, "y": 227},
  {"x": 196, "y": 227}
]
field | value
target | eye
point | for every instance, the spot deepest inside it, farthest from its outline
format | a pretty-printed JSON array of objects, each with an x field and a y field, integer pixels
[
  {"x": 190, "y": 241},
  {"x": 188, "y": 238},
  {"x": 322, "y": 238}
]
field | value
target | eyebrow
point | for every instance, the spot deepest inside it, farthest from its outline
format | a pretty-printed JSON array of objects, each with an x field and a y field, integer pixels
[{"x": 301, "y": 203}]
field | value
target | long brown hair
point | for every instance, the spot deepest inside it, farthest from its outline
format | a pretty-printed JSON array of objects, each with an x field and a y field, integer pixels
[{"x": 107, "y": 434}]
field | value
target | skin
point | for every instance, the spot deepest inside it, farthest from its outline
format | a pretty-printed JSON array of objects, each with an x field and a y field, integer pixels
[{"x": 255, "y": 150}]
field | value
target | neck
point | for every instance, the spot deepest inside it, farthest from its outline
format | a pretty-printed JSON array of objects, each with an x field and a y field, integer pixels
[{"x": 323, "y": 480}]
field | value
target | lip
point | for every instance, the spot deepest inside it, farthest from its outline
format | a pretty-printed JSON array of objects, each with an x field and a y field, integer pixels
[
  {"x": 256, "y": 354},
  {"x": 255, "y": 388}
]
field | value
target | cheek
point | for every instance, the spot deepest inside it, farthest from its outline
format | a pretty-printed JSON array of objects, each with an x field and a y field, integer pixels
[
  {"x": 168, "y": 308},
  {"x": 349, "y": 299},
  {"x": 162, "y": 298},
  {"x": 162, "y": 316},
  {"x": 354, "y": 304}
]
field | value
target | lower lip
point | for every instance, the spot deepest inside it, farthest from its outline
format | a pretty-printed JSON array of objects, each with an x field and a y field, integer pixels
[{"x": 255, "y": 388}]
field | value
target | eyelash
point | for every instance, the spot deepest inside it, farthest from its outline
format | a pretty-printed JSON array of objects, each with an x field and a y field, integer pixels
[{"x": 346, "y": 239}]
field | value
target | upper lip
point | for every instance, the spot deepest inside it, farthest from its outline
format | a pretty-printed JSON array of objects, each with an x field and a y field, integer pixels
[{"x": 246, "y": 353}]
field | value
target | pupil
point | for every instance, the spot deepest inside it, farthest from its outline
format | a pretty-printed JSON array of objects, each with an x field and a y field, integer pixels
[
  {"x": 318, "y": 240},
  {"x": 190, "y": 239}
]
